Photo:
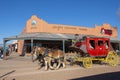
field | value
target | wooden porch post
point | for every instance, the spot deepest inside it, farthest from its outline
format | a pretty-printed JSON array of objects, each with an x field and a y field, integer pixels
[
  {"x": 64, "y": 46},
  {"x": 4, "y": 49},
  {"x": 31, "y": 44}
]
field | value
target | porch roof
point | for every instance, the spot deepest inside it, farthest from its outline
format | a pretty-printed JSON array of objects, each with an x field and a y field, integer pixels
[
  {"x": 48, "y": 36},
  {"x": 41, "y": 36},
  {"x": 115, "y": 40}
]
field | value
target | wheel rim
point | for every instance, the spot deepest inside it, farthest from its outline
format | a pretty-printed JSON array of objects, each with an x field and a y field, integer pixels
[
  {"x": 87, "y": 62},
  {"x": 112, "y": 58}
]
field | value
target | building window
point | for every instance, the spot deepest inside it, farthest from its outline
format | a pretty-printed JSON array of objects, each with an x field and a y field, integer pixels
[{"x": 34, "y": 22}]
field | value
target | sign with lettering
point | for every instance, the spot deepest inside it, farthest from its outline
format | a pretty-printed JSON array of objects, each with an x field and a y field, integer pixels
[{"x": 106, "y": 31}]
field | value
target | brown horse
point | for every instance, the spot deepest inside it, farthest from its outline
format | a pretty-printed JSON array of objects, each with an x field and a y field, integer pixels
[
  {"x": 51, "y": 59},
  {"x": 56, "y": 56},
  {"x": 37, "y": 54}
]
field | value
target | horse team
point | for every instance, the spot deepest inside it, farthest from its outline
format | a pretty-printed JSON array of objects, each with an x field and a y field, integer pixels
[{"x": 48, "y": 58}]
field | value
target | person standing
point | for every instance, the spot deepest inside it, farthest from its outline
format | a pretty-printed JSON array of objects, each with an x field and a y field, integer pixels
[
  {"x": 1, "y": 54},
  {"x": 16, "y": 47}
]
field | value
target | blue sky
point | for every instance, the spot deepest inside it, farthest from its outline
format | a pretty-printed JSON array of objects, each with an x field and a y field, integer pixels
[{"x": 15, "y": 13}]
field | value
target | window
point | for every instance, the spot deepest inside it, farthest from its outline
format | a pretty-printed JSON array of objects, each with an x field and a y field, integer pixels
[
  {"x": 106, "y": 44},
  {"x": 34, "y": 22},
  {"x": 100, "y": 43},
  {"x": 92, "y": 44}
]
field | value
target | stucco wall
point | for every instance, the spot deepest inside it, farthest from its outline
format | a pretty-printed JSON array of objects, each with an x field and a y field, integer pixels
[{"x": 43, "y": 26}]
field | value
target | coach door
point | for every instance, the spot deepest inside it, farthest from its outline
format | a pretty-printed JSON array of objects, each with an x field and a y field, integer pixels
[{"x": 100, "y": 47}]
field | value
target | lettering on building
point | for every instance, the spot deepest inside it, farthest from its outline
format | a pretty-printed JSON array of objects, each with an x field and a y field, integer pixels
[
  {"x": 58, "y": 27},
  {"x": 82, "y": 29},
  {"x": 70, "y": 28}
]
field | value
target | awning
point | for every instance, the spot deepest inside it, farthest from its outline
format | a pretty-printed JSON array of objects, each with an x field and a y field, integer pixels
[
  {"x": 115, "y": 40},
  {"x": 48, "y": 36},
  {"x": 41, "y": 36}
]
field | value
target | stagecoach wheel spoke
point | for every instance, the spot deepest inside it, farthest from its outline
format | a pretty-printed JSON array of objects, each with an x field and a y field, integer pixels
[
  {"x": 112, "y": 58},
  {"x": 87, "y": 62}
]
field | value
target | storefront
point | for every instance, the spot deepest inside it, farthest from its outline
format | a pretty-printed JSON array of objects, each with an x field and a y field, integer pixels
[
  {"x": 115, "y": 43},
  {"x": 38, "y": 32}
]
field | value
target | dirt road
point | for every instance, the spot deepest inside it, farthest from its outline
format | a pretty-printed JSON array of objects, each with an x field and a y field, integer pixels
[{"x": 21, "y": 68}]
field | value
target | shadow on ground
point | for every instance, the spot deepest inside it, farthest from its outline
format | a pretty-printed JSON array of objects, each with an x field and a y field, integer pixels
[{"x": 106, "y": 76}]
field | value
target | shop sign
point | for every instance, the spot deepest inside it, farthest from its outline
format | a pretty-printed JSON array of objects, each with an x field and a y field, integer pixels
[{"x": 106, "y": 31}]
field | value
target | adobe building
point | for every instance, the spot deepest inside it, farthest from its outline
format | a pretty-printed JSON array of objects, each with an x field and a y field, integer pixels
[{"x": 41, "y": 33}]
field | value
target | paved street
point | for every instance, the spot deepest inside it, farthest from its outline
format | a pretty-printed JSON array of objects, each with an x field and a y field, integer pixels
[{"x": 22, "y": 68}]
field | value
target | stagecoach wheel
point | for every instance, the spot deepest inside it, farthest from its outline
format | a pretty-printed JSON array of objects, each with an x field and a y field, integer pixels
[
  {"x": 112, "y": 58},
  {"x": 87, "y": 62}
]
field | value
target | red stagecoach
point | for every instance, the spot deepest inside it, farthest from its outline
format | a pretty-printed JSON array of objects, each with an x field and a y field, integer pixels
[{"x": 91, "y": 49}]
